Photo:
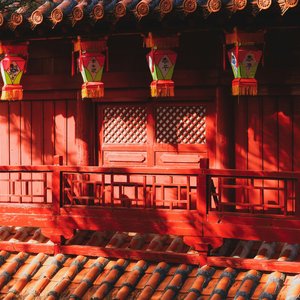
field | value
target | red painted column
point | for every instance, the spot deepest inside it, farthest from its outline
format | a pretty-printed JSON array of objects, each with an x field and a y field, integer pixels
[
  {"x": 225, "y": 125},
  {"x": 85, "y": 133}
]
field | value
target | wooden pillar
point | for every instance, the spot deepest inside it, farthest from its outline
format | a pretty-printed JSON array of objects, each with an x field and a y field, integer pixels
[
  {"x": 85, "y": 133},
  {"x": 224, "y": 129}
]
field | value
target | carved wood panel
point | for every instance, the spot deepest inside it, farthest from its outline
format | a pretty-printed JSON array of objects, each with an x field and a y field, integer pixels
[
  {"x": 125, "y": 125},
  {"x": 181, "y": 124},
  {"x": 153, "y": 134}
]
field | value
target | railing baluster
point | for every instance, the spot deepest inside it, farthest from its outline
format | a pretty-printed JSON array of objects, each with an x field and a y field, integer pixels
[
  {"x": 188, "y": 192},
  {"x": 112, "y": 192},
  {"x": 56, "y": 188},
  {"x": 202, "y": 195},
  {"x": 285, "y": 197}
]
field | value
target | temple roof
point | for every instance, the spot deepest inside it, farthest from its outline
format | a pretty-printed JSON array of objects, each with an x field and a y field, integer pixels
[
  {"x": 63, "y": 276},
  {"x": 43, "y": 18}
]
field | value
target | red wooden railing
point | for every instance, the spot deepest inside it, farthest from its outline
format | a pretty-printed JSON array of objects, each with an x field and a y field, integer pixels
[{"x": 195, "y": 203}]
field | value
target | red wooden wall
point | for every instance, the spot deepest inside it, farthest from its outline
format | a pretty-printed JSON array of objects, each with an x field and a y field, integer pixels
[
  {"x": 32, "y": 132},
  {"x": 267, "y": 133}
]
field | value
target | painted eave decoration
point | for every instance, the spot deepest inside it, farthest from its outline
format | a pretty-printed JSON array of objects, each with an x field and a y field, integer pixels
[{"x": 48, "y": 14}]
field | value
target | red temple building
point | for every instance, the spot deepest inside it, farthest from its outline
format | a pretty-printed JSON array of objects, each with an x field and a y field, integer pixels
[{"x": 149, "y": 149}]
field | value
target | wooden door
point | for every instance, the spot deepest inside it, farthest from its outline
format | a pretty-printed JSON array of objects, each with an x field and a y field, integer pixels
[{"x": 154, "y": 134}]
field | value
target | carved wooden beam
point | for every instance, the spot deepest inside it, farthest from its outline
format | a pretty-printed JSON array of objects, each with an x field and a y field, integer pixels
[
  {"x": 287, "y": 4},
  {"x": 37, "y": 16},
  {"x": 210, "y": 6},
  {"x": 16, "y": 18},
  {"x": 236, "y": 5},
  {"x": 64, "y": 8},
  {"x": 142, "y": 9},
  {"x": 95, "y": 10},
  {"x": 78, "y": 12}
]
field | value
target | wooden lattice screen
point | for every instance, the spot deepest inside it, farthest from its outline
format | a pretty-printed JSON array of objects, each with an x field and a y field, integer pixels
[
  {"x": 125, "y": 125},
  {"x": 181, "y": 125}
]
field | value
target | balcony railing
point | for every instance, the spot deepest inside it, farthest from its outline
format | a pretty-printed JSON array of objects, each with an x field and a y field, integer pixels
[{"x": 188, "y": 202}]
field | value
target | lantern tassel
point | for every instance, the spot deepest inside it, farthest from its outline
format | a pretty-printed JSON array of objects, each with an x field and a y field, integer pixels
[
  {"x": 244, "y": 87},
  {"x": 12, "y": 92},
  {"x": 92, "y": 90},
  {"x": 162, "y": 88}
]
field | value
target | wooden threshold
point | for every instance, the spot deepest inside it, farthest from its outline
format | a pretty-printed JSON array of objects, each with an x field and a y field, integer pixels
[
  {"x": 269, "y": 265},
  {"x": 94, "y": 251}
]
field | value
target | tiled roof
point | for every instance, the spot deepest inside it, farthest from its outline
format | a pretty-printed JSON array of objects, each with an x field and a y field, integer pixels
[
  {"x": 102, "y": 14},
  {"x": 40, "y": 276}
]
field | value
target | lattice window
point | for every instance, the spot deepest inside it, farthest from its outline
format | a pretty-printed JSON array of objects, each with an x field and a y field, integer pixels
[
  {"x": 181, "y": 124},
  {"x": 125, "y": 125}
]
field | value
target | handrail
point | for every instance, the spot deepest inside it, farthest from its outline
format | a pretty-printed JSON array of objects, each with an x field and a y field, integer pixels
[
  {"x": 192, "y": 216},
  {"x": 153, "y": 170}
]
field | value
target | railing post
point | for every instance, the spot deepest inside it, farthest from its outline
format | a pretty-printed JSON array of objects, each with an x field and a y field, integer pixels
[
  {"x": 56, "y": 185},
  {"x": 297, "y": 197},
  {"x": 202, "y": 188}
]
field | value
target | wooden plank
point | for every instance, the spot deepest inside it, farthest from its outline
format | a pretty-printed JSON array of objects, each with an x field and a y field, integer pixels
[
  {"x": 151, "y": 161},
  {"x": 26, "y": 147},
  {"x": 60, "y": 129},
  {"x": 155, "y": 256},
  {"x": 15, "y": 145},
  {"x": 4, "y": 145},
  {"x": 48, "y": 132},
  {"x": 26, "y": 133},
  {"x": 71, "y": 133},
  {"x": 270, "y": 134},
  {"x": 255, "y": 148},
  {"x": 15, "y": 133},
  {"x": 270, "y": 265},
  {"x": 37, "y": 149},
  {"x": 254, "y": 232},
  {"x": 241, "y": 141},
  {"x": 37, "y": 133},
  {"x": 255, "y": 138},
  {"x": 141, "y": 220},
  {"x": 26, "y": 247},
  {"x": 296, "y": 134},
  {"x": 210, "y": 134},
  {"x": 285, "y": 131},
  {"x": 270, "y": 145}
]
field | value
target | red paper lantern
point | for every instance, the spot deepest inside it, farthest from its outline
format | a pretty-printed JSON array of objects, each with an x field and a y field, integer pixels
[
  {"x": 244, "y": 54},
  {"x": 91, "y": 64},
  {"x": 161, "y": 61},
  {"x": 12, "y": 68},
  {"x": 161, "y": 65}
]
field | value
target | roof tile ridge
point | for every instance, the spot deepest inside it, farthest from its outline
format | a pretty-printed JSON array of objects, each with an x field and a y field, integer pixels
[
  {"x": 95, "y": 270},
  {"x": 273, "y": 286},
  {"x": 75, "y": 267},
  {"x": 248, "y": 285},
  {"x": 26, "y": 276},
  {"x": 12, "y": 268},
  {"x": 177, "y": 281},
  {"x": 56, "y": 263},
  {"x": 224, "y": 283},
  {"x": 132, "y": 280},
  {"x": 110, "y": 279},
  {"x": 203, "y": 277},
  {"x": 293, "y": 291}
]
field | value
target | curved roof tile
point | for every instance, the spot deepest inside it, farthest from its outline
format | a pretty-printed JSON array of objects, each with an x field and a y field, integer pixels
[
  {"x": 30, "y": 276},
  {"x": 17, "y": 13}
]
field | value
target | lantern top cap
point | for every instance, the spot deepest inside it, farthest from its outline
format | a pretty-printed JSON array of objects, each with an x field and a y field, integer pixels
[
  {"x": 14, "y": 48},
  {"x": 238, "y": 37},
  {"x": 161, "y": 42},
  {"x": 91, "y": 46}
]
